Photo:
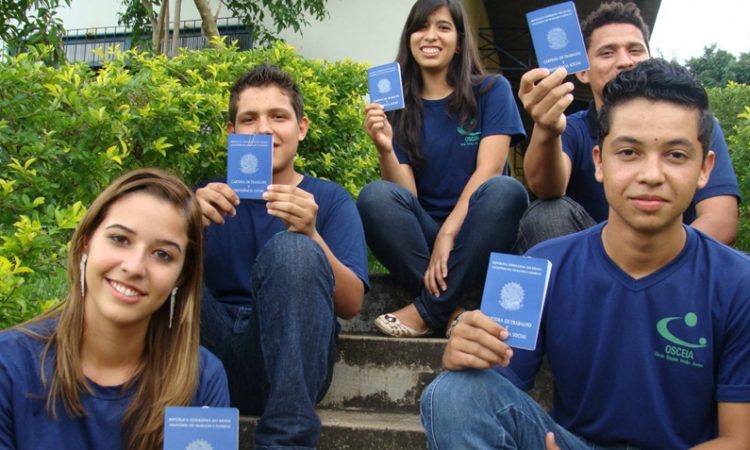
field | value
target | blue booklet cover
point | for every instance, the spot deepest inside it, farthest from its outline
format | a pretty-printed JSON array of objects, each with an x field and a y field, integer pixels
[
  {"x": 385, "y": 86},
  {"x": 557, "y": 38},
  {"x": 249, "y": 164},
  {"x": 514, "y": 293},
  {"x": 193, "y": 427}
]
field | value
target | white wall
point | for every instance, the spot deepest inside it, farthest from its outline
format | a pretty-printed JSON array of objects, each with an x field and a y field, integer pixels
[{"x": 362, "y": 30}]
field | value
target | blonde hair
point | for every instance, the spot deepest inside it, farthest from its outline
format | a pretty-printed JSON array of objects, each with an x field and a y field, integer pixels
[{"x": 169, "y": 369}]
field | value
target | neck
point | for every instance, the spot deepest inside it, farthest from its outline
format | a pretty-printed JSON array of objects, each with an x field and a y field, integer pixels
[
  {"x": 435, "y": 84},
  {"x": 111, "y": 356},
  {"x": 289, "y": 177},
  {"x": 640, "y": 254}
]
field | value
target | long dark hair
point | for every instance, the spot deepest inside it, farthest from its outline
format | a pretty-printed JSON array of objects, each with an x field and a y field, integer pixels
[{"x": 465, "y": 72}]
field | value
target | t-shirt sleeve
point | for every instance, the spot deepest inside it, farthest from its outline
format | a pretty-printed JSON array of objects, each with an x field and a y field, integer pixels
[
  {"x": 6, "y": 409},
  {"x": 213, "y": 388},
  {"x": 500, "y": 112},
  {"x": 733, "y": 383},
  {"x": 723, "y": 180},
  {"x": 341, "y": 229}
]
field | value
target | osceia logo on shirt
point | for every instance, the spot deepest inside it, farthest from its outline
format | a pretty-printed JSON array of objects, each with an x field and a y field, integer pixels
[{"x": 679, "y": 349}]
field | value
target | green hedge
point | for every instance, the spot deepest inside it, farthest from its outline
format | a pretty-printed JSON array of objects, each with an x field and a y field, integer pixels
[
  {"x": 731, "y": 104},
  {"x": 66, "y": 132}
]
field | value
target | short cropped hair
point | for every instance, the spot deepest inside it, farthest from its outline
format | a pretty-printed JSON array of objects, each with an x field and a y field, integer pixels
[
  {"x": 613, "y": 13},
  {"x": 265, "y": 75},
  {"x": 658, "y": 80}
]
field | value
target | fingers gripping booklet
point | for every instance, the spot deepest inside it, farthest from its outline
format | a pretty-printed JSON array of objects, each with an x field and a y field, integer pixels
[{"x": 514, "y": 294}]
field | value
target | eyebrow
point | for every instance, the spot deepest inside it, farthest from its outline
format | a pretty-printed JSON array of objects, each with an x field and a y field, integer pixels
[
  {"x": 130, "y": 231},
  {"x": 632, "y": 140}
]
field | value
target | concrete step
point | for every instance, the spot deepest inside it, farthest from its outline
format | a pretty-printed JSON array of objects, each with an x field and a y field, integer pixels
[
  {"x": 385, "y": 295},
  {"x": 353, "y": 429},
  {"x": 380, "y": 373}
]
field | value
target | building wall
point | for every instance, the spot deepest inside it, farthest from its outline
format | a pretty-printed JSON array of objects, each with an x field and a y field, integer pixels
[{"x": 361, "y": 30}]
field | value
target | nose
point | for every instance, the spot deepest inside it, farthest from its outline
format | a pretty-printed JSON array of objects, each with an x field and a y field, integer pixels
[
  {"x": 651, "y": 172},
  {"x": 430, "y": 33},
  {"x": 624, "y": 59},
  {"x": 133, "y": 263},
  {"x": 264, "y": 125}
]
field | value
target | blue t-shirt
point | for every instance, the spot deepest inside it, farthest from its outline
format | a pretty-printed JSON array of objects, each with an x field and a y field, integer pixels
[
  {"x": 231, "y": 248},
  {"x": 450, "y": 152},
  {"x": 581, "y": 135},
  {"x": 25, "y": 425},
  {"x": 642, "y": 361}
]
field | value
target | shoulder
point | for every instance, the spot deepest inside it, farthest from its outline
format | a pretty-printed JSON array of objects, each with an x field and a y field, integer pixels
[
  {"x": 571, "y": 243},
  {"x": 493, "y": 86},
  {"x": 208, "y": 363},
  {"x": 325, "y": 192}
]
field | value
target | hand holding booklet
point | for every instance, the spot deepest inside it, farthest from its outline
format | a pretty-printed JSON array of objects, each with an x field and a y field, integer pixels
[
  {"x": 514, "y": 294},
  {"x": 557, "y": 38},
  {"x": 249, "y": 164}
]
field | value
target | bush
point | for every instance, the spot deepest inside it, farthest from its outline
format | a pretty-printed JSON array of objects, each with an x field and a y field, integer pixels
[
  {"x": 731, "y": 104},
  {"x": 66, "y": 132}
]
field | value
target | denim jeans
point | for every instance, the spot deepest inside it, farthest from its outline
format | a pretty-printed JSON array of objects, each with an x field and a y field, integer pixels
[
  {"x": 547, "y": 219},
  {"x": 481, "y": 409},
  {"x": 279, "y": 349},
  {"x": 400, "y": 234}
]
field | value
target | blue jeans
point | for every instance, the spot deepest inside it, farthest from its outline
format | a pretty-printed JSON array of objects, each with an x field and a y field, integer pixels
[
  {"x": 547, "y": 219},
  {"x": 481, "y": 409},
  {"x": 400, "y": 234},
  {"x": 279, "y": 349}
]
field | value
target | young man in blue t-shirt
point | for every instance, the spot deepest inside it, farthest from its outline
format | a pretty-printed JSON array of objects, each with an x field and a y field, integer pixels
[
  {"x": 646, "y": 326},
  {"x": 278, "y": 271},
  {"x": 558, "y": 165}
]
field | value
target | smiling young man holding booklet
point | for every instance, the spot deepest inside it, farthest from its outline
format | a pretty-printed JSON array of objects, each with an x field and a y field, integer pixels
[
  {"x": 278, "y": 271},
  {"x": 646, "y": 325}
]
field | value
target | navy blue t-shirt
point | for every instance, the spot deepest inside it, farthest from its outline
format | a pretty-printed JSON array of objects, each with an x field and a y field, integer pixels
[
  {"x": 450, "y": 151},
  {"x": 642, "y": 361},
  {"x": 578, "y": 141},
  {"x": 231, "y": 248},
  {"x": 25, "y": 425}
]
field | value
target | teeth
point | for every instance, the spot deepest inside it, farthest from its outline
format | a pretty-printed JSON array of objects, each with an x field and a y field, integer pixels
[
  {"x": 124, "y": 290},
  {"x": 430, "y": 50}
]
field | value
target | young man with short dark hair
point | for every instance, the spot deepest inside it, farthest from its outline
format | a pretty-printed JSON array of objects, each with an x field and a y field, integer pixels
[
  {"x": 278, "y": 271},
  {"x": 646, "y": 326},
  {"x": 558, "y": 165}
]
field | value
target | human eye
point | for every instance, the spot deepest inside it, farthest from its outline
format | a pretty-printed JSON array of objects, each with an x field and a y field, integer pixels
[
  {"x": 163, "y": 255},
  {"x": 678, "y": 156},
  {"x": 118, "y": 239},
  {"x": 626, "y": 153}
]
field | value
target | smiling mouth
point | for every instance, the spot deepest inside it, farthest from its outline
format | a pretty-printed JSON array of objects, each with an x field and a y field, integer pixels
[
  {"x": 429, "y": 51},
  {"x": 124, "y": 290}
]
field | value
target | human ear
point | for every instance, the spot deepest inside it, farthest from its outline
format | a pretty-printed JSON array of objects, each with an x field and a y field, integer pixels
[
  {"x": 706, "y": 167},
  {"x": 596, "y": 154}
]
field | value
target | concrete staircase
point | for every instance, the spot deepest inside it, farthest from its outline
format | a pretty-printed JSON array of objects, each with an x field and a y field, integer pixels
[{"x": 373, "y": 401}]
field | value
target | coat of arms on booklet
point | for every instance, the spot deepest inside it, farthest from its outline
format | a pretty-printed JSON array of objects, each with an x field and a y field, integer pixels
[
  {"x": 196, "y": 428},
  {"x": 514, "y": 294}
]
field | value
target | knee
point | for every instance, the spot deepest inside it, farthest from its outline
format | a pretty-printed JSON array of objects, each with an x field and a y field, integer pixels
[
  {"x": 503, "y": 191},
  {"x": 380, "y": 194},
  {"x": 291, "y": 252},
  {"x": 463, "y": 394}
]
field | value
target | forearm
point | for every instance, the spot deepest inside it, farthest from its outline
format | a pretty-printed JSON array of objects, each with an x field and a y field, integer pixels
[
  {"x": 718, "y": 218},
  {"x": 392, "y": 170},
  {"x": 545, "y": 166},
  {"x": 348, "y": 289},
  {"x": 453, "y": 223}
]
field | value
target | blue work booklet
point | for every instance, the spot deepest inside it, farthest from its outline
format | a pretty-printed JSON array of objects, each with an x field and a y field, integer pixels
[
  {"x": 249, "y": 164},
  {"x": 557, "y": 38},
  {"x": 514, "y": 293},
  {"x": 385, "y": 86},
  {"x": 192, "y": 427}
]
